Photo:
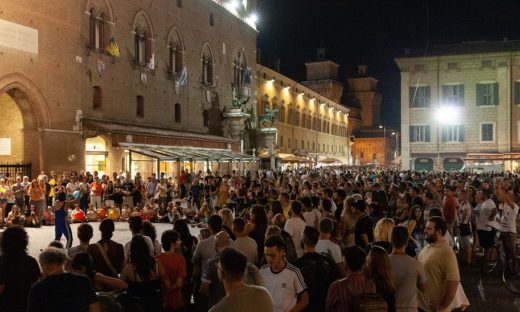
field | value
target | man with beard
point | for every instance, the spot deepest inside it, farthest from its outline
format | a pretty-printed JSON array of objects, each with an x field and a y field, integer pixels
[{"x": 440, "y": 265}]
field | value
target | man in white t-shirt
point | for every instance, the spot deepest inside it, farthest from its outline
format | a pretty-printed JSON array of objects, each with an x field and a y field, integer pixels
[
  {"x": 243, "y": 242},
  {"x": 328, "y": 248},
  {"x": 283, "y": 280},
  {"x": 486, "y": 225}
]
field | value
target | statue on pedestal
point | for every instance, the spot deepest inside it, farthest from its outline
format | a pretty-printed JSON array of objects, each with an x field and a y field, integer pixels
[{"x": 268, "y": 116}]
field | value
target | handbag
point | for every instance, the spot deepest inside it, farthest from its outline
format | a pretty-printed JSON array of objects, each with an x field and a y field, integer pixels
[{"x": 107, "y": 260}]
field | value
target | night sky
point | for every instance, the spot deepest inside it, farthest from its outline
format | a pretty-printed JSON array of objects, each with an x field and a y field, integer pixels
[{"x": 374, "y": 32}]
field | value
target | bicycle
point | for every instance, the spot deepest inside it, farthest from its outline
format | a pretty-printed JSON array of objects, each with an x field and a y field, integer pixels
[{"x": 510, "y": 273}]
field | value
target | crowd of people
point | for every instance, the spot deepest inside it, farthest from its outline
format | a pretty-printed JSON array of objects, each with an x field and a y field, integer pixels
[{"x": 327, "y": 239}]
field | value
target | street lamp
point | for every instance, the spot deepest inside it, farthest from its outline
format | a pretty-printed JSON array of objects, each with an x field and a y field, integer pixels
[
  {"x": 445, "y": 115},
  {"x": 396, "y": 144},
  {"x": 384, "y": 142}
]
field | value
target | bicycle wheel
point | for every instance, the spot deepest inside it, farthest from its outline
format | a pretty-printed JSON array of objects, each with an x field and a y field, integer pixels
[{"x": 511, "y": 277}]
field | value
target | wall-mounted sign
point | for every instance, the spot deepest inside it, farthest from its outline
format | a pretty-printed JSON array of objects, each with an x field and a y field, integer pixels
[
  {"x": 18, "y": 37},
  {"x": 5, "y": 146}
]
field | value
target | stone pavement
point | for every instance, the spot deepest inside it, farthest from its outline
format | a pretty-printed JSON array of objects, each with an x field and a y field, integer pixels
[{"x": 485, "y": 292}]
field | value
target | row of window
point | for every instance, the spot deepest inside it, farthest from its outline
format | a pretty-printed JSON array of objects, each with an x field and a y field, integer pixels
[
  {"x": 97, "y": 104},
  {"x": 451, "y": 133},
  {"x": 298, "y": 119},
  {"x": 453, "y": 95},
  {"x": 454, "y": 66},
  {"x": 320, "y": 148},
  {"x": 101, "y": 31}
]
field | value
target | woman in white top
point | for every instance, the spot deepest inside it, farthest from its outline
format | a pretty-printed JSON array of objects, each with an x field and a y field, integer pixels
[{"x": 295, "y": 226}]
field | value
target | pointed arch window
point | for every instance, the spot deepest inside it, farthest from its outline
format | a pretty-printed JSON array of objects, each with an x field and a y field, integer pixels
[
  {"x": 207, "y": 66},
  {"x": 142, "y": 46},
  {"x": 97, "y": 30},
  {"x": 175, "y": 53}
]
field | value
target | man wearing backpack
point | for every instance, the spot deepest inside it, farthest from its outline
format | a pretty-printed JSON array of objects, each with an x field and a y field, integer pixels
[
  {"x": 317, "y": 270},
  {"x": 329, "y": 248}
]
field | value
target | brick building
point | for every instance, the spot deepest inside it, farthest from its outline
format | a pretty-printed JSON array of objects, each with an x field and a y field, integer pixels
[
  {"x": 124, "y": 85},
  {"x": 460, "y": 103}
]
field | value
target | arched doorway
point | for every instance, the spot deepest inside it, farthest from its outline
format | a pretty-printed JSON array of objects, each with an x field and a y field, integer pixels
[
  {"x": 453, "y": 164},
  {"x": 25, "y": 112},
  {"x": 96, "y": 155},
  {"x": 423, "y": 164}
]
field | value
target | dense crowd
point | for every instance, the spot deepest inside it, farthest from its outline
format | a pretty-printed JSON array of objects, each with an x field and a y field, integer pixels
[{"x": 328, "y": 239}]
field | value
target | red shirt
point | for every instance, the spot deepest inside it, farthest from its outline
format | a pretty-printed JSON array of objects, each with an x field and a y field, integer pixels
[
  {"x": 175, "y": 267},
  {"x": 98, "y": 187},
  {"x": 449, "y": 209}
]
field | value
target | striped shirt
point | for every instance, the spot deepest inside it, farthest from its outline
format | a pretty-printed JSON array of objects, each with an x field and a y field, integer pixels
[
  {"x": 339, "y": 297},
  {"x": 284, "y": 286}
]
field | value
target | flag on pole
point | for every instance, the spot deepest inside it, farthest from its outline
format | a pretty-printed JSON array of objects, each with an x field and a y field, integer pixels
[{"x": 183, "y": 78}]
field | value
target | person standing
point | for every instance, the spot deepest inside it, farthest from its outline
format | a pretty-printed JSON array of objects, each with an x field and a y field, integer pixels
[
  {"x": 295, "y": 226},
  {"x": 175, "y": 267},
  {"x": 239, "y": 296},
  {"x": 60, "y": 290},
  {"x": 84, "y": 190},
  {"x": 408, "y": 273},
  {"x": 318, "y": 270},
  {"x": 283, "y": 280},
  {"x": 61, "y": 216},
  {"x": 18, "y": 271},
  {"x": 440, "y": 266}
]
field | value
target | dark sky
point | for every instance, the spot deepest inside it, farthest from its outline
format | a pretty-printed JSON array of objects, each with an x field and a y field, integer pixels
[{"x": 374, "y": 32}]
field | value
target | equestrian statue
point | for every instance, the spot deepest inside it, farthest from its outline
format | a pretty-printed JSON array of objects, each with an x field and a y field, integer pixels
[{"x": 268, "y": 116}]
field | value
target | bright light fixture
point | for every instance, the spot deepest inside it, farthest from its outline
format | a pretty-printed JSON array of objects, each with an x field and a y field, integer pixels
[
  {"x": 447, "y": 115},
  {"x": 253, "y": 18},
  {"x": 234, "y": 4},
  {"x": 287, "y": 88}
]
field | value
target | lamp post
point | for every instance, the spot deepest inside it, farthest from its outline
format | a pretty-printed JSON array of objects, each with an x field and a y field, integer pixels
[
  {"x": 396, "y": 144},
  {"x": 384, "y": 142},
  {"x": 445, "y": 116}
]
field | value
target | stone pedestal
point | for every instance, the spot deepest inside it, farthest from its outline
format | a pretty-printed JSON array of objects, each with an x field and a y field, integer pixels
[
  {"x": 266, "y": 138},
  {"x": 234, "y": 125}
]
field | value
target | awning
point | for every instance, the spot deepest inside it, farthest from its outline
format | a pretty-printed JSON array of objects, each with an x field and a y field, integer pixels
[{"x": 186, "y": 153}]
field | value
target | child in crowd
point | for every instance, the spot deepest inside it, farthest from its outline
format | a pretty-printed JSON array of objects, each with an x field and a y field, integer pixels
[
  {"x": 15, "y": 217},
  {"x": 113, "y": 213},
  {"x": 32, "y": 220},
  {"x": 77, "y": 216},
  {"x": 48, "y": 216},
  {"x": 91, "y": 213},
  {"x": 125, "y": 213},
  {"x": 101, "y": 213},
  {"x": 147, "y": 213}
]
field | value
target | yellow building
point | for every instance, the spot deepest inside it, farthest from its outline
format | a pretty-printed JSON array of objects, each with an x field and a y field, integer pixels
[{"x": 308, "y": 123}]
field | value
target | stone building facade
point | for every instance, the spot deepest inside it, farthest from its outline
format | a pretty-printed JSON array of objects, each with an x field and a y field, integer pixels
[
  {"x": 84, "y": 82},
  {"x": 308, "y": 123},
  {"x": 460, "y": 104}
]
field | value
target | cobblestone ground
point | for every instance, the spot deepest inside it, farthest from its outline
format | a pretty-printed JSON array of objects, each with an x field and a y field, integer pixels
[{"x": 485, "y": 292}]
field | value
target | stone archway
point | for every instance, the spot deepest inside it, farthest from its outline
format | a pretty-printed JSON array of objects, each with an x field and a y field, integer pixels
[{"x": 28, "y": 115}]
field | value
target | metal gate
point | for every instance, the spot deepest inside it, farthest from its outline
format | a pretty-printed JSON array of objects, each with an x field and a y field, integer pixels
[{"x": 9, "y": 170}]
